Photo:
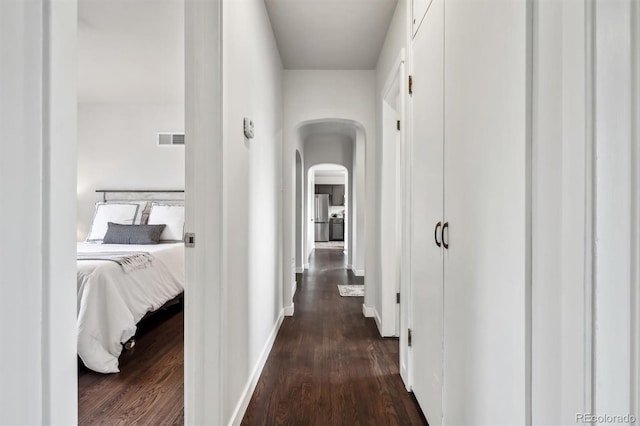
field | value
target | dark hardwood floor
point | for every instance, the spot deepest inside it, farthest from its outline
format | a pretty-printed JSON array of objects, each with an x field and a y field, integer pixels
[
  {"x": 150, "y": 386},
  {"x": 329, "y": 365}
]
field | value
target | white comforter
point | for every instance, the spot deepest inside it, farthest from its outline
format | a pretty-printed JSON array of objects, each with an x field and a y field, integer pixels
[{"x": 111, "y": 302}]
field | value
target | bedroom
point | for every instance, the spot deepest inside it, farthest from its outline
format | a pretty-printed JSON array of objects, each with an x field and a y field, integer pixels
[{"x": 130, "y": 139}]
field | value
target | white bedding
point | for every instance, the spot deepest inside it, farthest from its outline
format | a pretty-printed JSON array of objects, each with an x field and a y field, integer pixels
[{"x": 111, "y": 302}]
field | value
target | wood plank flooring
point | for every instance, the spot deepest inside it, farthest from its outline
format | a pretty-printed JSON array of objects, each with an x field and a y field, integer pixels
[
  {"x": 149, "y": 388},
  {"x": 329, "y": 365}
]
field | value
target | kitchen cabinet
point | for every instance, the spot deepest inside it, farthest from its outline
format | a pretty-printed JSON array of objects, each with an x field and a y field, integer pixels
[
  {"x": 470, "y": 155},
  {"x": 337, "y": 195},
  {"x": 324, "y": 189},
  {"x": 336, "y": 230},
  {"x": 335, "y": 192}
]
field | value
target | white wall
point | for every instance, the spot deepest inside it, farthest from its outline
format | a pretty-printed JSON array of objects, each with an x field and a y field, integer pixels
[
  {"x": 330, "y": 180},
  {"x": 328, "y": 149},
  {"x": 309, "y": 231},
  {"x": 118, "y": 149},
  {"x": 560, "y": 370},
  {"x": 299, "y": 214},
  {"x": 252, "y": 200},
  {"x": 615, "y": 54},
  {"x": 38, "y": 362},
  {"x": 321, "y": 94}
]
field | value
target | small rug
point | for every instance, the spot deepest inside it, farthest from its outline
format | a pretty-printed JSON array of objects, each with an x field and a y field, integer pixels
[
  {"x": 330, "y": 245},
  {"x": 351, "y": 290}
]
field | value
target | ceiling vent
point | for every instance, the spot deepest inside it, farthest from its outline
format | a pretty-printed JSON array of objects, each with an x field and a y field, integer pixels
[{"x": 167, "y": 139}]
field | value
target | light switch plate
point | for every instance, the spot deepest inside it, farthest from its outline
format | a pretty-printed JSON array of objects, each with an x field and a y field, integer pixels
[{"x": 248, "y": 128}]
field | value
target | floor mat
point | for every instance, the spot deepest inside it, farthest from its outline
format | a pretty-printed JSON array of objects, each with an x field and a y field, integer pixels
[{"x": 350, "y": 290}]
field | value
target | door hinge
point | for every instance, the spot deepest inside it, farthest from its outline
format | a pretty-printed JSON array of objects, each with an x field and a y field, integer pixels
[
  {"x": 397, "y": 297},
  {"x": 411, "y": 85},
  {"x": 189, "y": 240},
  {"x": 409, "y": 339},
  {"x": 398, "y": 124}
]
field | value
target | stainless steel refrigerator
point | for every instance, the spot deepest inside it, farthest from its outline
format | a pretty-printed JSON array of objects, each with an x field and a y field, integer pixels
[{"x": 321, "y": 217}]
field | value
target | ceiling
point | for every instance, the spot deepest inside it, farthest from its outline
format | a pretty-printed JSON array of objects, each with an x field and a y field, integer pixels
[
  {"x": 330, "y": 34},
  {"x": 329, "y": 170},
  {"x": 131, "y": 51},
  {"x": 344, "y": 129}
]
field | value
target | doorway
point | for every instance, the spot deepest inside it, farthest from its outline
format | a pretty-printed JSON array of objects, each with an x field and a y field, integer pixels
[
  {"x": 328, "y": 207},
  {"x": 131, "y": 147},
  {"x": 393, "y": 208}
]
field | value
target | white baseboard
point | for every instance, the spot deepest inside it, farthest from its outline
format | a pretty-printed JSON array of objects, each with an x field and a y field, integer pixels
[
  {"x": 367, "y": 311},
  {"x": 288, "y": 310},
  {"x": 299, "y": 270},
  {"x": 241, "y": 408},
  {"x": 294, "y": 287},
  {"x": 349, "y": 267},
  {"x": 356, "y": 272},
  {"x": 376, "y": 315},
  {"x": 306, "y": 266}
]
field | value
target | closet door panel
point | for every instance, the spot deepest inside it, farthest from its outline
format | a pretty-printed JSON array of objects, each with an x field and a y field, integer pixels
[
  {"x": 419, "y": 9},
  {"x": 427, "y": 167},
  {"x": 485, "y": 206}
]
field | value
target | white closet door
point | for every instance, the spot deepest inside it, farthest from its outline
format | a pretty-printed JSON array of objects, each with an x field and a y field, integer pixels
[
  {"x": 485, "y": 206},
  {"x": 426, "y": 264},
  {"x": 419, "y": 8}
]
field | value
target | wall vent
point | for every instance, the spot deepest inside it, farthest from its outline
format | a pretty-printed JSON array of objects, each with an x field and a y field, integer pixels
[{"x": 167, "y": 139}]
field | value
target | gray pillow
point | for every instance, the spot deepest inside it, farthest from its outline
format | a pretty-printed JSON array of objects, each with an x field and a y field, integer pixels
[{"x": 132, "y": 234}]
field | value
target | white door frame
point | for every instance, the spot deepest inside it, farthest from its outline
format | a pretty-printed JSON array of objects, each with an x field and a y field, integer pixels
[
  {"x": 635, "y": 260},
  {"x": 616, "y": 304},
  {"x": 204, "y": 311},
  {"x": 395, "y": 89}
]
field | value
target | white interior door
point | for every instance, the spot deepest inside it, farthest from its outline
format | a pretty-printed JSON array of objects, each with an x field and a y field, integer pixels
[
  {"x": 486, "y": 168},
  {"x": 427, "y": 199},
  {"x": 419, "y": 8},
  {"x": 399, "y": 213}
]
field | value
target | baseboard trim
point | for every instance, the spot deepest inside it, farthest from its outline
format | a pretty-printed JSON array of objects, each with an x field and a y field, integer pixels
[
  {"x": 241, "y": 408},
  {"x": 376, "y": 315},
  {"x": 367, "y": 311},
  {"x": 299, "y": 270},
  {"x": 288, "y": 310},
  {"x": 294, "y": 288},
  {"x": 356, "y": 272},
  {"x": 306, "y": 267}
]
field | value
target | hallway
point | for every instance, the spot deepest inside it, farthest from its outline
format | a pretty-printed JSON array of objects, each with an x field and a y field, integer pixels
[{"x": 329, "y": 365}]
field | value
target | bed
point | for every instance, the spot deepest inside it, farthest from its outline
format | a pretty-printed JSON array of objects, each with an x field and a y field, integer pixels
[{"x": 118, "y": 284}]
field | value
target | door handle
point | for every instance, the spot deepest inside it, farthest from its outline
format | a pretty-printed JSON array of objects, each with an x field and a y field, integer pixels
[
  {"x": 435, "y": 234},
  {"x": 445, "y": 244}
]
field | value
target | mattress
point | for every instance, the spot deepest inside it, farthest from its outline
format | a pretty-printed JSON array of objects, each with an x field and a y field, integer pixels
[{"x": 112, "y": 301}]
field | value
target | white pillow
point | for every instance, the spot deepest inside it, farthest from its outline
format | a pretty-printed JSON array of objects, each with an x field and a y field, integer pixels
[
  {"x": 172, "y": 217},
  {"x": 121, "y": 213}
]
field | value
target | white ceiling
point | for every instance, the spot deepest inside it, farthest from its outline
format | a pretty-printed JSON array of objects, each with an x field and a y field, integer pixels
[
  {"x": 131, "y": 51},
  {"x": 343, "y": 129},
  {"x": 330, "y": 34},
  {"x": 329, "y": 170}
]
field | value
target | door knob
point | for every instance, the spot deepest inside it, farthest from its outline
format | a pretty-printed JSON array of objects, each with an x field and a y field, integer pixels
[
  {"x": 445, "y": 243},
  {"x": 435, "y": 234}
]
